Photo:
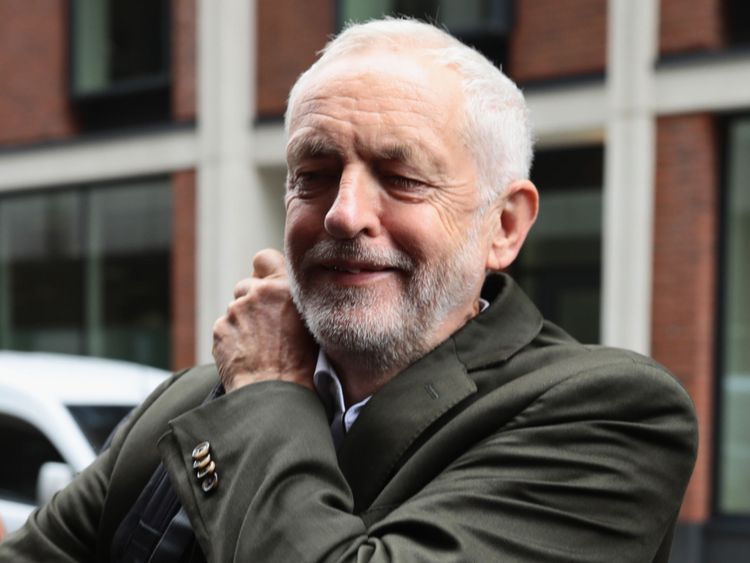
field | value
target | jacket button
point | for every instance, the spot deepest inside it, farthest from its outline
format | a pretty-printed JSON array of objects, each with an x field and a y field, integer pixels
[
  {"x": 201, "y": 473},
  {"x": 202, "y": 463},
  {"x": 205, "y": 467},
  {"x": 210, "y": 482},
  {"x": 201, "y": 450}
]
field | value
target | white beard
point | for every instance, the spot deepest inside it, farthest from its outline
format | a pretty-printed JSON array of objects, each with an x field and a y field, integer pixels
[{"x": 383, "y": 332}]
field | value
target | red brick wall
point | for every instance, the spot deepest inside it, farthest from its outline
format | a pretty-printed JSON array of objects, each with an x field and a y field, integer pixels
[
  {"x": 552, "y": 39},
  {"x": 690, "y": 26},
  {"x": 183, "y": 269},
  {"x": 33, "y": 71},
  {"x": 289, "y": 34},
  {"x": 184, "y": 58},
  {"x": 685, "y": 249}
]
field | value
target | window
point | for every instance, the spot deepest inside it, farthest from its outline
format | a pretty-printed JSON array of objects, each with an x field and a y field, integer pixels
[
  {"x": 41, "y": 272},
  {"x": 734, "y": 469},
  {"x": 560, "y": 263},
  {"x": 86, "y": 271},
  {"x": 30, "y": 449},
  {"x": 119, "y": 54},
  {"x": 483, "y": 24},
  {"x": 98, "y": 421},
  {"x": 736, "y": 20}
]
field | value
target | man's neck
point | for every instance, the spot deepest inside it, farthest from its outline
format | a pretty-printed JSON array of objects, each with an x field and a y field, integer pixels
[{"x": 361, "y": 376}]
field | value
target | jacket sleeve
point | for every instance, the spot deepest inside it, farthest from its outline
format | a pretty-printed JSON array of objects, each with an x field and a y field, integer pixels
[
  {"x": 592, "y": 469},
  {"x": 67, "y": 528}
]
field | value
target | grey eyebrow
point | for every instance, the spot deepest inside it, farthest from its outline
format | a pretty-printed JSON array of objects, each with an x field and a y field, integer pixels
[
  {"x": 410, "y": 155},
  {"x": 312, "y": 147},
  {"x": 395, "y": 152}
]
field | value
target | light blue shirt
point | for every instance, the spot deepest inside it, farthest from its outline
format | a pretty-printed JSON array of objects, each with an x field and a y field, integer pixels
[{"x": 331, "y": 392}]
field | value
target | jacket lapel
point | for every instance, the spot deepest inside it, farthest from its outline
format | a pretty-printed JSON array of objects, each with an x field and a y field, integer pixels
[
  {"x": 395, "y": 417},
  {"x": 511, "y": 323},
  {"x": 400, "y": 412}
]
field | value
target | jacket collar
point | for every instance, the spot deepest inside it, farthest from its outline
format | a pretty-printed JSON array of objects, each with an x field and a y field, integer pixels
[
  {"x": 511, "y": 322},
  {"x": 412, "y": 401}
]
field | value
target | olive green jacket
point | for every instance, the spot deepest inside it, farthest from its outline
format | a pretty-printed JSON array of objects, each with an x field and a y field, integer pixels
[{"x": 509, "y": 442}]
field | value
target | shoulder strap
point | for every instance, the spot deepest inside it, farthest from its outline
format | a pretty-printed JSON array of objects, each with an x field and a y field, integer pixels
[
  {"x": 157, "y": 529},
  {"x": 142, "y": 528},
  {"x": 136, "y": 456},
  {"x": 176, "y": 542}
]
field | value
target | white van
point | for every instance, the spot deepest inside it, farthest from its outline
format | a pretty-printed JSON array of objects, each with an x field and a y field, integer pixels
[{"x": 56, "y": 411}]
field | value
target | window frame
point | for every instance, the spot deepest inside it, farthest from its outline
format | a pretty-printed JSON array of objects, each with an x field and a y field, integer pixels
[
  {"x": 28, "y": 429},
  {"x": 559, "y": 182},
  {"x": 113, "y": 106},
  {"x": 731, "y": 16},
  {"x": 500, "y": 28},
  {"x": 84, "y": 191},
  {"x": 722, "y": 522}
]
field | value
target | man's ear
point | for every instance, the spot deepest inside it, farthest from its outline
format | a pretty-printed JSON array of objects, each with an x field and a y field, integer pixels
[{"x": 513, "y": 218}]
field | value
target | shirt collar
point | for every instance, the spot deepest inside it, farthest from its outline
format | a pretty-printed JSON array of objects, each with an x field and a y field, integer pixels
[
  {"x": 483, "y": 304},
  {"x": 331, "y": 393}
]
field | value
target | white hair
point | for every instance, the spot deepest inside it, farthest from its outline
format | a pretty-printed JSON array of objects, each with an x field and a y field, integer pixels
[{"x": 496, "y": 119}]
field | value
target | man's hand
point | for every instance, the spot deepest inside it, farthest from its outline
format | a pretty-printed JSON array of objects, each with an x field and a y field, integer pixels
[{"x": 262, "y": 337}]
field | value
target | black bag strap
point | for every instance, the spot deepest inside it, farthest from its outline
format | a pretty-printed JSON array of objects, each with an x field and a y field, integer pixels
[
  {"x": 176, "y": 540},
  {"x": 143, "y": 526},
  {"x": 157, "y": 529}
]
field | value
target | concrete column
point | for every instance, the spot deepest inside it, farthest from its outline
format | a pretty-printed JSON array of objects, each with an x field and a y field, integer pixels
[
  {"x": 231, "y": 213},
  {"x": 632, "y": 42}
]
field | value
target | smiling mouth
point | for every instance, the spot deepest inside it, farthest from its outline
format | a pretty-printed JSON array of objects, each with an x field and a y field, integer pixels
[
  {"x": 352, "y": 262},
  {"x": 354, "y": 270},
  {"x": 347, "y": 270}
]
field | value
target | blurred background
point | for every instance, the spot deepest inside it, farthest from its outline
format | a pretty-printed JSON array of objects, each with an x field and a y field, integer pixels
[{"x": 142, "y": 165}]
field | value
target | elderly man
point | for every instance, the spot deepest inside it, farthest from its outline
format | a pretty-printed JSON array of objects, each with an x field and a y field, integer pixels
[{"x": 379, "y": 396}]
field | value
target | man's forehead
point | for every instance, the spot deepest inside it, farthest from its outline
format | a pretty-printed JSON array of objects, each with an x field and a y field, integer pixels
[
  {"x": 410, "y": 63},
  {"x": 315, "y": 143},
  {"x": 358, "y": 78}
]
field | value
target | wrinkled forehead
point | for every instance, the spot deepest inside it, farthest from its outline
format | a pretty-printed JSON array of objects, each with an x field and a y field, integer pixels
[{"x": 380, "y": 81}]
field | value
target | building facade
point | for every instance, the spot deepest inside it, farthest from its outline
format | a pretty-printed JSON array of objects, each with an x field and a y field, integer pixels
[{"x": 142, "y": 166}]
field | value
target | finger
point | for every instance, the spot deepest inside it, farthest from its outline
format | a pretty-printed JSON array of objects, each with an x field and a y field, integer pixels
[
  {"x": 242, "y": 288},
  {"x": 267, "y": 263}
]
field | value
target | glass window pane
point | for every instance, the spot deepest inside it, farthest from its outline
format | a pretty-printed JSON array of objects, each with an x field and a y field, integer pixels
[
  {"x": 483, "y": 24},
  {"x": 90, "y": 45},
  {"x": 352, "y": 10},
  {"x": 560, "y": 263},
  {"x": 128, "y": 301},
  {"x": 735, "y": 423},
  {"x": 463, "y": 14},
  {"x": 737, "y": 18},
  {"x": 469, "y": 13},
  {"x": 98, "y": 421},
  {"x": 137, "y": 38},
  {"x": 41, "y": 264},
  {"x": 116, "y": 41},
  {"x": 87, "y": 271},
  {"x": 422, "y": 9},
  {"x": 30, "y": 449}
]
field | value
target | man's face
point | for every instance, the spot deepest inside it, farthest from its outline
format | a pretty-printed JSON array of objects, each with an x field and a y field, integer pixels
[{"x": 385, "y": 248}]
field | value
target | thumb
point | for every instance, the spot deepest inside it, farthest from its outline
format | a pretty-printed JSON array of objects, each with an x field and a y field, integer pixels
[{"x": 268, "y": 263}]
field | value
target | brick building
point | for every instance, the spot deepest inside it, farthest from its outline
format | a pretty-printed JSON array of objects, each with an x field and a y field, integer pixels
[{"x": 141, "y": 166}]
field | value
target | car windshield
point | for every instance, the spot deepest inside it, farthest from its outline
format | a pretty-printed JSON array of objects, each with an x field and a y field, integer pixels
[{"x": 98, "y": 421}]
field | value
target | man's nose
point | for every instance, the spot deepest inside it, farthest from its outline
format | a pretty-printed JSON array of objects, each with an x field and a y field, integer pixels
[{"x": 356, "y": 207}]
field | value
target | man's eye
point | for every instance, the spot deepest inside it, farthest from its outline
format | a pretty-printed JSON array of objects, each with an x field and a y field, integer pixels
[
  {"x": 404, "y": 182},
  {"x": 311, "y": 181}
]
